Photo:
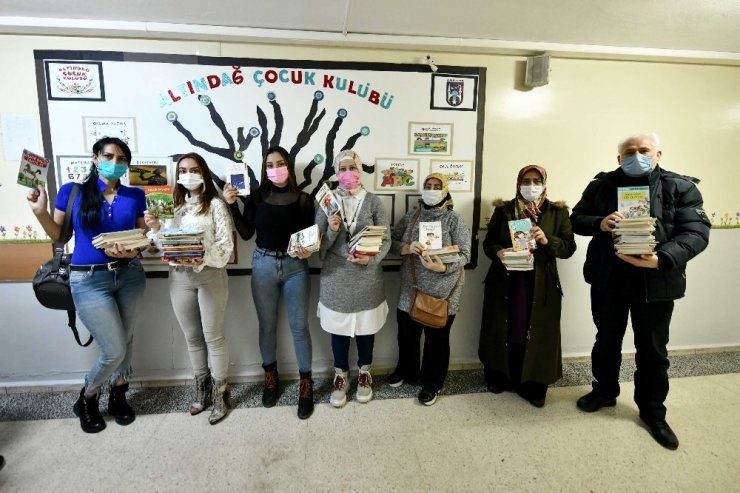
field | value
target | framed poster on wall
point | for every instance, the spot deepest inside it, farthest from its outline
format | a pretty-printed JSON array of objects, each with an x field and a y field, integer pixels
[
  {"x": 74, "y": 80},
  {"x": 72, "y": 169},
  {"x": 400, "y": 174},
  {"x": 430, "y": 138},
  {"x": 96, "y": 127},
  {"x": 458, "y": 173}
]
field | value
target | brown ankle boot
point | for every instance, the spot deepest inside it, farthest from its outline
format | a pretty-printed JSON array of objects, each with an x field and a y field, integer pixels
[
  {"x": 305, "y": 396},
  {"x": 271, "y": 390}
]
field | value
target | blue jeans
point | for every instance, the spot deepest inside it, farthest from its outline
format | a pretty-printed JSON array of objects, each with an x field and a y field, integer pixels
[
  {"x": 271, "y": 277},
  {"x": 106, "y": 302},
  {"x": 340, "y": 348}
]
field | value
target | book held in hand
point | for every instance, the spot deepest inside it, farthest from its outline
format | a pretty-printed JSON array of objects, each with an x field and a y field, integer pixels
[
  {"x": 33, "y": 170},
  {"x": 127, "y": 239},
  {"x": 159, "y": 201},
  {"x": 181, "y": 245},
  {"x": 238, "y": 177},
  {"x": 633, "y": 201},
  {"x": 327, "y": 201},
  {"x": 521, "y": 260},
  {"x": 368, "y": 241},
  {"x": 430, "y": 234},
  {"x": 633, "y": 235},
  {"x": 447, "y": 254},
  {"x": 521, "y": 235},
  {"x": 309, "y": 238}
]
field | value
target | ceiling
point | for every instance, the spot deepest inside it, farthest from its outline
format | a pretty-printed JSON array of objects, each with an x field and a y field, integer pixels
[{"x": 703, "y": 28}]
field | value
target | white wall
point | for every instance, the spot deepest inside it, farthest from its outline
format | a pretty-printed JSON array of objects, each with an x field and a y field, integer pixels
[{"x": 570, "y": 126}]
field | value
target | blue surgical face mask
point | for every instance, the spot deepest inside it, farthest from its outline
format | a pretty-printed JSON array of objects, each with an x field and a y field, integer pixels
[
  {"x": 637, "y": 165},
  {"x": 111, "y": 171}
]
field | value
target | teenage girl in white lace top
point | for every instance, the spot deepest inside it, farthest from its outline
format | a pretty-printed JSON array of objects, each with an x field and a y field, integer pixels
[{"x": 199, "y": 288}]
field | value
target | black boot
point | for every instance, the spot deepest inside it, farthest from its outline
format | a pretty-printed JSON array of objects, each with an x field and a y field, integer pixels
[
  {"x": 87, "y": 409},
  {"x": 305, "y": 396},
  {"x": 118, "y": 407},
  {"x": 271, "y": 390}
]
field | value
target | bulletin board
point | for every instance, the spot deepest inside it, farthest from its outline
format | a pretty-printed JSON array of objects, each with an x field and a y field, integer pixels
[{"x": 403, "y": 120}]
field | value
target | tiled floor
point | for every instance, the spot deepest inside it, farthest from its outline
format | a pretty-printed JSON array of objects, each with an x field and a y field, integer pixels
[{"x": 465, "y": 442}]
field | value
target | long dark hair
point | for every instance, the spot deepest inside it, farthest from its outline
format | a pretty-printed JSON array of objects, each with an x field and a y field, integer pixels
[
  {"x": 91, "y": 198},
  {"x": 209, "y": 189},
  {"x": 265, "y": 181}
]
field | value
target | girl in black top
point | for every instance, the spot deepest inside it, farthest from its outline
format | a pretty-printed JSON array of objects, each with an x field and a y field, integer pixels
[{"x": 275, "y": 210}]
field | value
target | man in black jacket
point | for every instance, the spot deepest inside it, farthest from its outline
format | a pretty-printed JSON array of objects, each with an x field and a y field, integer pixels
[{"x": 642, "y": 286}]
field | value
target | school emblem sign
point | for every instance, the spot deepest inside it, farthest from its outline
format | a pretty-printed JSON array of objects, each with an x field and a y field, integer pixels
[{"x": 455, "y": 92}]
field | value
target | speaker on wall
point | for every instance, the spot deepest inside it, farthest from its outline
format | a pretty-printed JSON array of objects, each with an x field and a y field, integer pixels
[{"x": 538, "y": 71}]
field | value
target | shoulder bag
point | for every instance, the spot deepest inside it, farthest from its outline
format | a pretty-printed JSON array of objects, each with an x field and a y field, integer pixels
[{"x": 51, "y": 282}]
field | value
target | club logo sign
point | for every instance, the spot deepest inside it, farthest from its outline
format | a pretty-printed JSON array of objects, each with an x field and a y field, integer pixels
[
  {"x": 74, "y": 81},
  {"x": 455, "y": 92}
]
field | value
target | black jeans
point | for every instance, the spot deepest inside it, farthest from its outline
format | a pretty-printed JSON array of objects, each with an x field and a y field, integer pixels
[
  {"x": 340, "y": 348},
  {"x": 625, "y": 295},
  {"x": 436, "y": 359}
]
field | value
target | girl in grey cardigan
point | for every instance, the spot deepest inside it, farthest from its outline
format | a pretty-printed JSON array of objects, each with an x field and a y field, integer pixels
[
  {"x": 352, "y": 299},
  {"x": 434, "y": 278}
]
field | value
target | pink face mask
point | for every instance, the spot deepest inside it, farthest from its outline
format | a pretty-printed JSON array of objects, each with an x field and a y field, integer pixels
[
  {"x": 349, "y": 180},
  {"x": 278, "y": 175}
]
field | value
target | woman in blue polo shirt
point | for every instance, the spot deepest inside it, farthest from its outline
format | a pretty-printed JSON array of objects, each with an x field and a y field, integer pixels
[
  {"x": 106, "y": 284},
  {"x": 275, "y": 210}
]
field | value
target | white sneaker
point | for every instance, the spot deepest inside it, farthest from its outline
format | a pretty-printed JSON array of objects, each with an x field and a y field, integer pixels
[
  {"x": 364, "y": 385},
  {"x": 341, "y": 384}
]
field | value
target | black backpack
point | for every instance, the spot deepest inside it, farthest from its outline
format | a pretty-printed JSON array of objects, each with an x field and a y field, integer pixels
[{"x": 51, "y": 282}]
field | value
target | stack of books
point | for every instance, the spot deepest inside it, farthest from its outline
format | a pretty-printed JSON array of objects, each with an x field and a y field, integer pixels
[
  {"x": 368, "y": 241},
  {"x": 309, "y": 238},
  {"x": 520, "y": 257},
  {"x": 633, "y": 235},
  {"x": 518, "y": 260},
  {"x": 448, "y": 254},
  {"x": 181, "y": 245},
  {"x": 128, "y": 239}
]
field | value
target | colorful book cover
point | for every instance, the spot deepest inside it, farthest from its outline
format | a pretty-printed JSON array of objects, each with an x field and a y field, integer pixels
[
  {"x": 327, "y": 201},
  {"x": 159, "y": 201},
  {"x": 521, "y": 234},
  {"x": 430, "y": 234},
  {"x": 309, "y": 238},
  {"x": 33, "y": 170},
  {"x": 633, "y": 201}
]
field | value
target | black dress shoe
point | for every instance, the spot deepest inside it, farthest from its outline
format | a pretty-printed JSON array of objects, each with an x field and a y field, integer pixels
[
  {"x": 661, "y": 432},
  {"x": 592, "y": 402}
]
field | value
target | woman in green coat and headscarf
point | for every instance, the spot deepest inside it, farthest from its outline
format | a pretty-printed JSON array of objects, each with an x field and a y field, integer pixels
[{"x": 520, "y": 330}]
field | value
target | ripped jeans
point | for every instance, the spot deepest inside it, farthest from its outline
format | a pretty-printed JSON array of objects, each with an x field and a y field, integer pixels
[{"x": 106, "y": 303}]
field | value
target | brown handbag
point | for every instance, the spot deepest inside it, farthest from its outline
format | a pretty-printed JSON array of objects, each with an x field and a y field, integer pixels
[{"x": 425, "y": 309}]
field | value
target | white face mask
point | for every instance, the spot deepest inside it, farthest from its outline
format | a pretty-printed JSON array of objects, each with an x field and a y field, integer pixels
[
  {"x": 432, "y": 197},
  {"x": 191, "y": 181},
  {"x": 531, "y": 193}
]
